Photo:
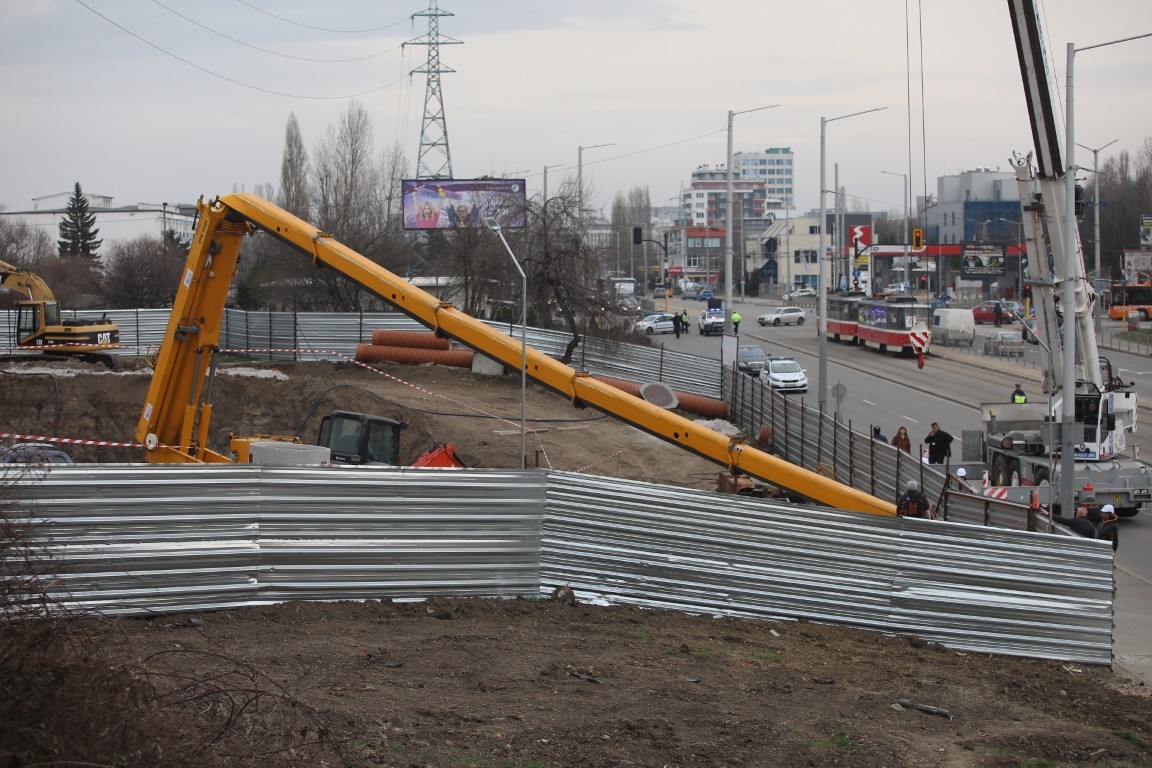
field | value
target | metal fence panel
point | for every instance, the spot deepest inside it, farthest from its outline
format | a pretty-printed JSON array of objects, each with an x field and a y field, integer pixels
[
  {"x": 142, "y": 538},
  {"x": 967, "y": 587}
]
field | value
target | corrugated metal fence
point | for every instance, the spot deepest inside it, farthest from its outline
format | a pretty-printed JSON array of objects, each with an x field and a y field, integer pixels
[
  {"x": 328, "y": 335},
  {"x": 143, "y": 538}
]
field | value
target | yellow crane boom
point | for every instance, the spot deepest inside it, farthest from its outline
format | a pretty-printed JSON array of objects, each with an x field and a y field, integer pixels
[{"x": 177, "y": 412}]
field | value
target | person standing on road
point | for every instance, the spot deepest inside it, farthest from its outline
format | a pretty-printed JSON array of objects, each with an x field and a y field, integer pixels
[
  {"x": 736, "y": 323},
  {"x": 901, "y": 440},
  {"x": 939, "y": 444},
  {"x": 1018, "y": 396},
  {"x": 998, "y": 313},
  {"x": 676, "y": 324},
  {"x": 1109, "y": 530},
  {"x": 684, "y": 321}
]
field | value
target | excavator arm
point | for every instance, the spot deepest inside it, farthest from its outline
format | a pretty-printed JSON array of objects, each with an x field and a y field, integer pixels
[
  {"x": 174, "y": 423},
  {"x": 24, "y": 282}
]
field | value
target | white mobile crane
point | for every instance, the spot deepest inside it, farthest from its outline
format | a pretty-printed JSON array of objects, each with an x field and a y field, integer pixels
[{"x": 1022, "y": 442}]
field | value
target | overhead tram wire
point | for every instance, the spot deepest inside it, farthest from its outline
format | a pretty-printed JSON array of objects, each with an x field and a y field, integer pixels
[
  {"x": 322, "y": 29},
  {"x": 234, "y": 81},
  {"x": 270, "y": 52}
]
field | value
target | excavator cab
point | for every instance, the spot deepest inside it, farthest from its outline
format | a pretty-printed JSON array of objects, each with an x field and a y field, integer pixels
[
  {"x": 358, "y": 438},
  {"x": 31, "y": 319}
]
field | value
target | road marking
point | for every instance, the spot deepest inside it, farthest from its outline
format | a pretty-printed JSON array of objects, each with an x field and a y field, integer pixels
[{"x": 867, "y": 402}]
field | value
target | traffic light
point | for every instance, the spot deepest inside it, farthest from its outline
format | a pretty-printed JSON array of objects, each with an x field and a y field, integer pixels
[
  {"x": 637, "y": 235},
  {"x": 917, "y": 239},
  {"x": 1079, "y": 202}
]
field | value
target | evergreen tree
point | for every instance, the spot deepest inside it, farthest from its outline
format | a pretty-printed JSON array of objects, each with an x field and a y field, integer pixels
[{"x": 78, "y": 229}]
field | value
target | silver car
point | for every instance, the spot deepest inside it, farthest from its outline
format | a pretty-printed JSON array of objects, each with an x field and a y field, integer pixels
[
  {"x": 1004, "y": 343},
  {"x": 782, "y": 316}
]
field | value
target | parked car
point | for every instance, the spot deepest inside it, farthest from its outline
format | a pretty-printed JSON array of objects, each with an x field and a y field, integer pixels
[
  {"x": 33, "y": 453},
  {"x": 711, "y": 321},
  {"x": 660, "y": 322},
  {"x": 799, "y": 293},
  {"x": 782, "y": 316},
  {"x": 1004, "y": 343},
  {"x": 784, "y": 374},
  {"x": 692, "y": 293},
  {"x": 985, "y": 312},
  {"x": 1014, "y": 308},
  {"x": 953, "y": 327},
  {"x": 1028, "y": 330},
  {"x": 751, "y": 359}
]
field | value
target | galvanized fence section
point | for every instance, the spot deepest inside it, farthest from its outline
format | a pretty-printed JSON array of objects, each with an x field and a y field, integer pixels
[
  {"x": 786, "y": 426},
  {"x": 132, "y": 539},
  {"x": 967, "y": 587},
  {"x": 303, "y": 336},
  {"x": 143, "y": 538}
]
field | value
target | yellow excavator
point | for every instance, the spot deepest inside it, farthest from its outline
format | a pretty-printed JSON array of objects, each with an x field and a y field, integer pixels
[
  {"x": 39, "y": 327},
  {"x": 178, "y": 410}
]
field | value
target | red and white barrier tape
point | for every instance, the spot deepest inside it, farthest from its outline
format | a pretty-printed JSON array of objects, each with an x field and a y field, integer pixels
[{"x": 68, "y": 440}]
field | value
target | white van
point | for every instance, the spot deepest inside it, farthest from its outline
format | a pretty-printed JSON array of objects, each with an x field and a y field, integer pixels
[{"x": 953, "y": 327}]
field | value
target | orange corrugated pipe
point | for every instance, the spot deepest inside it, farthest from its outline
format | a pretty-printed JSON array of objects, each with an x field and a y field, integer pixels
[
  {"x": 373, "y": 353},
  {"x": 692, "y": 403},
  {"x": 382, "y": 337}
]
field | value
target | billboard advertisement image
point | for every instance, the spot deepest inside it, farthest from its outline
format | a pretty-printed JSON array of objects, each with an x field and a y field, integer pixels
[
  {"x": 462, "y": 203},
  {"x": 981, "y": 260}
]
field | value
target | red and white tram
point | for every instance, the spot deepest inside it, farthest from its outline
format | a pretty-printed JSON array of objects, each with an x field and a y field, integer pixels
[
  {"x": 843, "y": 315},
  {"x": 888, "y": 323}
]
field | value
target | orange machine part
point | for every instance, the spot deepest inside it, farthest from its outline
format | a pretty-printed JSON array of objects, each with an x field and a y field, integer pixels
[
  {"x": 418, "y": 339},
  {"x": 371, "y": 353}
]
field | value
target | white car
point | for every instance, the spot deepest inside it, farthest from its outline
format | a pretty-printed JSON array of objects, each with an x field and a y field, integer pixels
[
  {"x": 711, "y": 321},
  {"x": 784, "y": 374},
  {"x": 799, "y": 293},
  {"x": 782, "y": 316},
  {"x": 660, "y": 322}
]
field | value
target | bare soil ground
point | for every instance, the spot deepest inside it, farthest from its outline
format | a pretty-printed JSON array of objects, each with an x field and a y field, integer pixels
[{"x": 512, "y": 684}]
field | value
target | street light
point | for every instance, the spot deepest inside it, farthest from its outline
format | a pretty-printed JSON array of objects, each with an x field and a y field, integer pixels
[
  {"x": 728, "y": 226},
  {"x": 907, "y": 234},
  {"x": 821, "y": 281},
  {"x": 1096, "y": 218},
  {"x": 1071, "y": 257},
  {"x": 580, "y": 176},
  {"x": 494, "y": 225}
]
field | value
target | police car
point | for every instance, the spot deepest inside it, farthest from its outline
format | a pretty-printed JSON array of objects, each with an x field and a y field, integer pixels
[{"x": 784, "y": 374}]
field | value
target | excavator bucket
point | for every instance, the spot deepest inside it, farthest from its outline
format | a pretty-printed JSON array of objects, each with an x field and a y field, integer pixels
[{"x": 443, "y": 455}]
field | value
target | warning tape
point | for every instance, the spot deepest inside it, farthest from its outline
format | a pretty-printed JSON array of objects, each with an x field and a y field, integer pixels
[
  {"x": 996, "y": 493},
  {"x": 289, "y": 350},
  {"x": 68, "y": 440},
  {"x": 600, "y": 461}
]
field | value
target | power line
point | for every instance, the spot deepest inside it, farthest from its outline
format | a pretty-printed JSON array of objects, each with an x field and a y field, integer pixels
[
  {"x": 230, "y": 79},
  {"x": 265, "y": 50},
  {"x": 322, "y": 29}
]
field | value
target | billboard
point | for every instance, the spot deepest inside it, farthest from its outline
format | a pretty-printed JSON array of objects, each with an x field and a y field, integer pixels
[
  {"x": 981, "y": 260},
  {"x": 462, "y": 203}
]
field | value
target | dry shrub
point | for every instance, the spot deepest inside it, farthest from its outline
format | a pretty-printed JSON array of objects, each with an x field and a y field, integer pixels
[{"x": 73, "y": 695}]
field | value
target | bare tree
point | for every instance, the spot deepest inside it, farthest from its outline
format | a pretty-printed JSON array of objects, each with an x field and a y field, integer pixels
[
  {"x": 24, "y": 246},
  {"x": 1125, "y": 196},
  {"x": 142, "y": 272}
]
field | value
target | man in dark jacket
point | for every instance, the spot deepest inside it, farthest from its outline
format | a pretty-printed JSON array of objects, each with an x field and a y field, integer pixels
[
  {"x": 938, "y": 442},
  {"x": 1079, "y": 524}
]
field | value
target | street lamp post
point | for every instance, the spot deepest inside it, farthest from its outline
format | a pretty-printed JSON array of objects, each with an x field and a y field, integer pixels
[
  {"x": 821, "y": 281},
  {"x": 580, "y": 176},
  {"x": 494, "y": 226},
  {"x": 728, "y": 269},
  {"x": 1096, "y": 221},
  {"x": 1071, "y": 256},
  {"x": 907, "y": 234}
]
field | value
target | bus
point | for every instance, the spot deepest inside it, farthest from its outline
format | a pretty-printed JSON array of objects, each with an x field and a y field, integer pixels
[
  {"x": 887, "y": 323},
  {"x": 622, "y": 287},
  {"x": 1131, "y": 298}
]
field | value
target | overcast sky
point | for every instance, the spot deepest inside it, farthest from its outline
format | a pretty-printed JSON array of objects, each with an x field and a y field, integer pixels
[{"x": 165, "y": 108}]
